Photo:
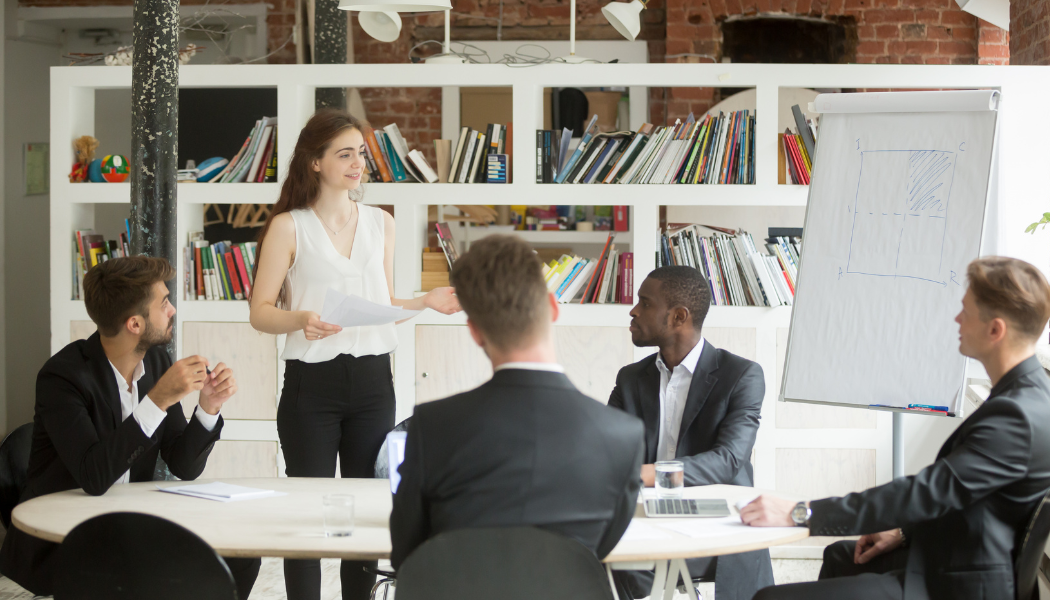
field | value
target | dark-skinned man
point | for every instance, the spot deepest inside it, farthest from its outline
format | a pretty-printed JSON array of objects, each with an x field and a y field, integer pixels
[{"x": 701, "y": 405}]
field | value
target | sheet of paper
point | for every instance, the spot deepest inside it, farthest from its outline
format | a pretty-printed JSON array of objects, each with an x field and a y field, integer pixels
[
  {"x": 640, "y": 530},
  {"x": 221, "y": 492},
  {"x": 704, "y": 528},
  {"x": 354, "y": 311}
]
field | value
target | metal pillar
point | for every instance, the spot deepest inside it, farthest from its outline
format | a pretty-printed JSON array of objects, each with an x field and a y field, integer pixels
[
  {"x": 329, "y": 48},
  {"x": 898, "y": 444},
  {"x": 155, "y": 133}
]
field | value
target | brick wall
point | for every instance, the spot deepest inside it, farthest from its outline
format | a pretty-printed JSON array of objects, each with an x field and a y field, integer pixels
[{"x": 1030, "y": 32}]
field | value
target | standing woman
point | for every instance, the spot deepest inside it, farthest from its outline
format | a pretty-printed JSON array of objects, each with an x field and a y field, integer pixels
[{"x": 338, "y": 396}]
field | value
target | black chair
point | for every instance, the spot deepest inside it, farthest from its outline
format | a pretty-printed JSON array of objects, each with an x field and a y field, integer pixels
[
  {"x": 14, "y": 463},
  {"x": 512, "y": 563},
  {"x": 1030, "y": 554},
  {"x": 382, "y": 468},
  {"x": 133, "y": 556}
]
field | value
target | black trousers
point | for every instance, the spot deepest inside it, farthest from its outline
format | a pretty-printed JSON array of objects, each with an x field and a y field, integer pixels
[
  {"x": 882, "y": 578},
  {"x": 342, "y": 407},
  {"x": 244, "y": 571}
]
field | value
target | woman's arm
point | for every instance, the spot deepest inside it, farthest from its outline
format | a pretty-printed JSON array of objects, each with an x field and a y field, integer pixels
[
  {"x": 278, "y": 253},
  {"x": 441, "y": 299}
]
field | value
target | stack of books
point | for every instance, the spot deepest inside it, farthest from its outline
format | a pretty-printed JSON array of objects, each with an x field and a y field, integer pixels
[
  {"x": 470, "y": 162},
  {"x": 738, "y": 274},
  {"x": 257, "y": 160},
  {"x": 608, "y": 279},
  {"x": 388, "y": 158},
  {"x": 217, "y": 271},
  {"x": 795, "y": 161},
  {"x": 90, "y": 249},
  {"x": 714, "y": 150}
]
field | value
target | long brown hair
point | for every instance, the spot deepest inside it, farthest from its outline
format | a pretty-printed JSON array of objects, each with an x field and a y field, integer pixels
[{"x": 303, "y": 184}]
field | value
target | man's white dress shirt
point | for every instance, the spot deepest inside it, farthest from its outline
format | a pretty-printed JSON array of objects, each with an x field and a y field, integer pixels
[
  {"x": 148, "y": 415},
  {"x": 532, "y": 366},
  {"x": 674, "y": 390}
]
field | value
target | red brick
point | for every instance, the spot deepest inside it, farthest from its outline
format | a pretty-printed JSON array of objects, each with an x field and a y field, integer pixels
[
  {"x": 937, "y": 60},
  {"x": 913, "y": 31},
  {"x": 963, "y": 33},
  {"x": 926, "y": 47},
  {"x": 911, "y": 60},
  {"x": 888, "y": 32},
  {"x": 955, "y": 49},
  {"x": 867, "y": 32},
  {"x": 957, "y": 17},
  {"x": 927, "y": 16},
  {"x": 938, "y": 33},
  {"x": 889, "y": 16},
  {"x": 993, "y": 51},
  {"x": 871, "y": 48},
  {"x": 401, "y": 107}
]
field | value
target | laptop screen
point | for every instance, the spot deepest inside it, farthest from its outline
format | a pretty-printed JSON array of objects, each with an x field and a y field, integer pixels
[{"x": 395, "y": 448}]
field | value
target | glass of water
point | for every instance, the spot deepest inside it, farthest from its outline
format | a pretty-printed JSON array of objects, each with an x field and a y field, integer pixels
[
  {"x": 338, "y": 515},
  {"x": 670, "y": 478}
]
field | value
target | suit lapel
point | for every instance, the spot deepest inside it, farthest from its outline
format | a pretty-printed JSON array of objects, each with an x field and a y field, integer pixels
[
  {"x": 649, "y": 394},
  {"x": 700, "y": 388},
  {"x": 102, "y": 373}
]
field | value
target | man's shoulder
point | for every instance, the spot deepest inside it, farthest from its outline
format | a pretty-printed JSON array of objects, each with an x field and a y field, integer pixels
[
  {"x": 732, "y": 362},
  {"x": 637, "y": 368},
  {"x": 72, "y": 358}
]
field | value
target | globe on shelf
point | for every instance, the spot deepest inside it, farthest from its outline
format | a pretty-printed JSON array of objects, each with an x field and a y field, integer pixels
[{"x": 115, "y": 168}]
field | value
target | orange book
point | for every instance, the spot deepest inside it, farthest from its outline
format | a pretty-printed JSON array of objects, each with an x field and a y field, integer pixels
[
  {"x": 377, "y": 155},
  {"x": 200, "y": 272}
]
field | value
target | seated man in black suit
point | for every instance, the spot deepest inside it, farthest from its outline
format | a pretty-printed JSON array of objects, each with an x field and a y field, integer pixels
[
  {"x": 952, "y": 530},
  {"x": 701, "y": 406},
  {"x": 108, "y": 405},
  {"x": 525, "y": 448}
]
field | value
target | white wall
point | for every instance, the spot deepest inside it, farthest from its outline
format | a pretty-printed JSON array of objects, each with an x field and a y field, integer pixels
[
  {"x": 26, "y": 299},
  {"x": 3, "y": 254}
]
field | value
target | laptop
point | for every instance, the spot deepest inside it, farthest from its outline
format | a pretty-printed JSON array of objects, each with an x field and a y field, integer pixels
[
  {"x": 681, "y": 507},
  {"x": 395, "y": 454}
]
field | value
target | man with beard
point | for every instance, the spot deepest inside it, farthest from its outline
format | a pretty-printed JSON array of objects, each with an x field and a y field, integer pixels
[
  {"x": 108, "y": 405},
  {"x": 701, "y": 405}
]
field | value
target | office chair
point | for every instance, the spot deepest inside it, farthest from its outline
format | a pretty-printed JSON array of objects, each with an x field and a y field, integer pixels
[
  {"x": 130, "y": 556},
  {"x": 1031, "y": 551},
  {"x": 382, "y": 468},
  {"x": 14, "y": 464},
  {"x": 510, "y": 563}
]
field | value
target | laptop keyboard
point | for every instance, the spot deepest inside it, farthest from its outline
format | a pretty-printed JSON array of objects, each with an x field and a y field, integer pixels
[{"x": 676, "y": 506}]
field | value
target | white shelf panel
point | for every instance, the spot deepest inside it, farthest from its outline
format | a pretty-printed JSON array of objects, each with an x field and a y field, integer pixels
[
  {"x": 95, "y": 193},
  {"x": 617, "y": 315},
  {"x": 473, "y": 234},
  {"x": 214, "y": 311},
  {"x": 229, "y": 193},
  {"x": 73, "y": 310},
  {"x": 597, "y": 194}
]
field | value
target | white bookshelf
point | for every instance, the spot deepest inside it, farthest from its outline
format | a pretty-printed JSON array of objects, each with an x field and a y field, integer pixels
[{"x": 1024, "y": 126}]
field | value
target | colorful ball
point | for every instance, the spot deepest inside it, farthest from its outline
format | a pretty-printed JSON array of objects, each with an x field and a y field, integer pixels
[
  {"x": 115, "y": 168},
  {"x": 210, "y": 168},
  {"x": 95, "y": 171}
]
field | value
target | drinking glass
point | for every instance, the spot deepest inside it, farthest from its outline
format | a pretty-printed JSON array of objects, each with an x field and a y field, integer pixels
[
  {"x": 338, "y": 515},
  {"x": 670, "y": 478}
]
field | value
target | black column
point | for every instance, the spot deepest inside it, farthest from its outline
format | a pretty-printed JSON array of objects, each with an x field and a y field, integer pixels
[
  {"x": 329, "y": 48},
  {"x": 155, "y": 133}
]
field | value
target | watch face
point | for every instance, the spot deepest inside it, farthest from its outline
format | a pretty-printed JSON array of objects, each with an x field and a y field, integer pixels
[{"x": 798, "y": 514}]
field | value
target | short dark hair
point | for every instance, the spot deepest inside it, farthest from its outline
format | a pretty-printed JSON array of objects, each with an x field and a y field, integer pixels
[
  {"x": 500, "y": 286},
  {"x": 120, "y": 288},
  {"x": 685, "y": 286},
  {"x": 1013, "y": 290}
]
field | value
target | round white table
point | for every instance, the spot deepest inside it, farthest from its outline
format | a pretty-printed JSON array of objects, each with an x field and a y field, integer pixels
[{"x": 291, "y": 526}]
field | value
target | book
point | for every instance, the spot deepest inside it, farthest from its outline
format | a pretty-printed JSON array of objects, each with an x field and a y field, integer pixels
[
  {"x": 377, "y": 155},
  {"x": 443, "y": 156},
  {"x": 457, "y": 156},
  {"x": 220, "y": 270},
  {"x": 420, "y": 162},
  {"x": 257, "y": 158},
  {"x": 397, "y": 168},
  {"x": 473, "y": 169},
  {"x": 448, "y": 244},
  {"x": 805, "y": 133},
  {"x": 588, "y": 134}
]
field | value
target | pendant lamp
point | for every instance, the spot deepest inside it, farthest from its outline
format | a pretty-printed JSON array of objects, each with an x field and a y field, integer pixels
[
  {"x": 446, "y": 57},
  {"x": 625, "y": 17},
  {"x": 395, "y": 5},
  {"x": 383, "y": 25}
]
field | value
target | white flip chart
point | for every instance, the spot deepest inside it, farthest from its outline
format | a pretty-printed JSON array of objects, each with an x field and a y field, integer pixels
[{"x": 895, "y": 214}]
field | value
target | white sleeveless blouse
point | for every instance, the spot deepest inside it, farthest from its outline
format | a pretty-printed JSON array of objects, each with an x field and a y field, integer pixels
[{"x": 319, "y": 266}]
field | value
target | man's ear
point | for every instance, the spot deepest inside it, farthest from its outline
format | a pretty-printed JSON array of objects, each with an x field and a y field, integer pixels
[
  {"x": 555, "y": 310},
  {"x": 680, "y": 317},
  {"x": 475, "y": 334},
  {"x": 135, "y": 325},
  {"x": 997, "y": 330}
]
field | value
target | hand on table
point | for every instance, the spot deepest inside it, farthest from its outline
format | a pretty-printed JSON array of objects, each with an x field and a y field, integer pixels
[
  {"x": 873, "y": 544},
  {"x": 768, "y": 511},
  {"x": 649, "y": 475}
]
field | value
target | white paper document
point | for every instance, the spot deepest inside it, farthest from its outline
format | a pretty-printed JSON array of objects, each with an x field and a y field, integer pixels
[
  {"x": 640, "y": 531},
  {"x": 354, "y": 311},
  {"x": 221, "y": 492},
  {"x": 704, "y": 528}
]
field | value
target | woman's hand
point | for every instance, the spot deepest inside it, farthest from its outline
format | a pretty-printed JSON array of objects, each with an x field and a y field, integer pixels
[
  {"x": 443, "y": 300},
  {"x": 316, "y": 329}
]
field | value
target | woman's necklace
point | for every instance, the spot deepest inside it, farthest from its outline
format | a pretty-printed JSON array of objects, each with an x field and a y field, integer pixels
[{"x": 334, "y": 232}]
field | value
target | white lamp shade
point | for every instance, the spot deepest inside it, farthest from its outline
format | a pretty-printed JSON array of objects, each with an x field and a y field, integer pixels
[
  {"x": 395, "y": 5},
  {"x": 996, "y": 12},
  {"x": 624, "y": 17},
  {"x": 383, "y": 25}
]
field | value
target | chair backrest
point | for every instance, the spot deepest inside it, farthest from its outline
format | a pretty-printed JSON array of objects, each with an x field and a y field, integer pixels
[
  {"x": 509, "y": 563},
  {"x": 14, "y": 463},
  {"x": 382, "y": 468},
  {"x": 130, "y": 556},
  {"x": 1030, "y": 553}
]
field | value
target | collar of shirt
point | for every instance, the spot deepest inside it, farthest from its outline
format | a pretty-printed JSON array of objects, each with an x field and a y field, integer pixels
[
  {"x": 122, "y": 384},
  {"x": 689, "y": 362},
  {"x": 532, "y": 366}
]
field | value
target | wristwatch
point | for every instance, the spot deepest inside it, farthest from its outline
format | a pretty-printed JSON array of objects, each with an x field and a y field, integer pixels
[{"x": 801, "y": 514}]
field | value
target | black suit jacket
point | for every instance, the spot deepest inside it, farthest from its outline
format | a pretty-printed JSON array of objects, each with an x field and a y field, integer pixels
[
  {"x": 525, "y": 448},
  {"x": 719, "y": 425},
  {"x": 965, "y": 514},
  {"x": 80, "y": 441}
]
